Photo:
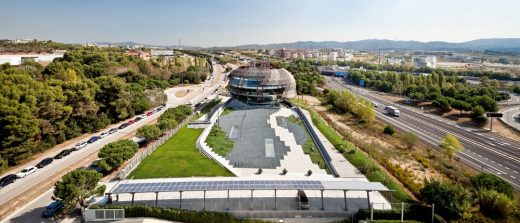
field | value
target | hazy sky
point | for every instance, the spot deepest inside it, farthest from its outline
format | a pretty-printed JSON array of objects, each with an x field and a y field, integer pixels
[{"x": 236, "y": 22}]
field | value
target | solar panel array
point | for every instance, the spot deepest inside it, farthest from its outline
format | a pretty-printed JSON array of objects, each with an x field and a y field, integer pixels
[{"x": 218, "y": 185}]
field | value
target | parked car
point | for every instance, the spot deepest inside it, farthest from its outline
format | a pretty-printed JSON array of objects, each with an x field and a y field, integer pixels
[
  {"x": 93, "y": 139},
  {"x": 303, "y": 200},
  {"x": 80, "y": 145},
  {"x": 26, "y": 171},
  {"x": 104, "y": 134},
  {"x": 63, "y": 153},
  {"x": 142, "y": 116},
  {"x": 44, "y": 162},
  {"x": 138, "y": 119},
  {"x": 149, "y": 113},
  {"x": 9, "y": 179},
  {"x": 112, "y": 130},
  {"x": 122, "y": 126},
  {"x": 131, "y": 122},
  {"x": 52, "y": 209}
]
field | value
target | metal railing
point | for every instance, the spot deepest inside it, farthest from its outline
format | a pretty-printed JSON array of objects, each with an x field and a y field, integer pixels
[
  {"x": 103, "y": 214},
  {"x": 138, "y": 157}
]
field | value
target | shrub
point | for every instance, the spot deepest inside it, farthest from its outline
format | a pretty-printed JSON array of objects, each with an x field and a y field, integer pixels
[
  {"x": 284, "y": 171},
  {"x": 409, "y": 140},
  {"x": 148, "y": 132},
  {"x": 452, "y": 200},
  {"x": 494, "y": 204},
  {"x": 167, "y": 124},
  {"x": 260, "y": 171},
  {"x": 487, "y": 181},
  {"x": 309, "y": 172},
  {"x": 389, "y": 130}
]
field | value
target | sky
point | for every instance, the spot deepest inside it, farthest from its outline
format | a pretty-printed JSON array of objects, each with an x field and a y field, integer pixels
[{"x": 236, "y": 22}]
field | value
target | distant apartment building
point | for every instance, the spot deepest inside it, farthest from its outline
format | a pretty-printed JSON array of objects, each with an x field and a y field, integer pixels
[
  {"x": 18, "y": 58},
  {"x": 161, "y": 52},
  {"x": 429, "y": 61},
  {"x": 138, "y": 53},
  {"x": 17, "y": 41}
]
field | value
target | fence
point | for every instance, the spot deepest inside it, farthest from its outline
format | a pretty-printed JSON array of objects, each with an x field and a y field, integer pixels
[
  {"x": 317, "y": 140},
  {"x": 401, "y": 212},
  {"x": 134, "y": 161},
  {"x": 103, "y": 214}
]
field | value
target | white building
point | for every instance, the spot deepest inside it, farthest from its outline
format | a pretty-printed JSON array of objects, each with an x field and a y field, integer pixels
[
  {"x": 333, "y": 55},
  {"x": 155, "y": 52},
  {"x": 430, "y": 61},
  {"x": 17, "y": 59}
]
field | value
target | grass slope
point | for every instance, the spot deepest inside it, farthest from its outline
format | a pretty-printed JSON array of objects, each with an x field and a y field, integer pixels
[
  {"x": 178, "y": 157},
  {"x": 219, "y": 142}
]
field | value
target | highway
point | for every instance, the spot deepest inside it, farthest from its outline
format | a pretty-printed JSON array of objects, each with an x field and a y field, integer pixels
[
  {"x": 22, "y": 185},
  {"x": 482, "y": 150},
  {"x": 511, "y": 111}
]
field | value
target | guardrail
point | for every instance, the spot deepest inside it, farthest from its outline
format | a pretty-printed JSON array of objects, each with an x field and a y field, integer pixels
[{"x": 316, "y": 139}]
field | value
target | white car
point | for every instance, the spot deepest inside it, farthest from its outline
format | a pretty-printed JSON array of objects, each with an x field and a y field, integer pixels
[
  {"x": 104, "y": 134},
  {"x": 375, "y": 104},
  {"x": 80, "y": 145},
  {"x": 142, "y": 116},
  {"x": 26, "y": 171}
]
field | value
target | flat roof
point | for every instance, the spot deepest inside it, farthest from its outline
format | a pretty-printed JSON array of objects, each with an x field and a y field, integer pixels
[{"x": 131, "y": 186}]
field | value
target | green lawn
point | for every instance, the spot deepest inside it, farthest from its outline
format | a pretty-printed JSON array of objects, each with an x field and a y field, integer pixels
[
  {"x": 179, "y": 157},
  {"x": 219, "y": 142}
]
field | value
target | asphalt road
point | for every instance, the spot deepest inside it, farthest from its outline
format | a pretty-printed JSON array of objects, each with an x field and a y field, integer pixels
[
  {"x": 511, "y": 111},
  {"x": 484, "y": 151},
  {"x": 24, "y": 184}
]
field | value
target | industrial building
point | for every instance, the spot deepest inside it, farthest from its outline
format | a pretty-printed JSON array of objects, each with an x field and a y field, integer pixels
[
  {"x": 261, "y": 85},
  {"x": 430, "y": 61},
  {"x": 18, "y": 58}
]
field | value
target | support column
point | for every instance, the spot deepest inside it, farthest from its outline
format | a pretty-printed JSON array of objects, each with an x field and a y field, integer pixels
[
  {"x": 345, "y": 198},
  {"x": 204, "y": 201},
  {"x": 275, "y": 199},
  {"x": 368, "y": 198},
  {"x": 156, "y": 198},
  {"x": 132, "y": 198},
  {"x": 251, "y": 203},
  {"x": 228, "y": 200},
  {"x": 322, "y": 207},
  {"x": 180, "y": 199}
]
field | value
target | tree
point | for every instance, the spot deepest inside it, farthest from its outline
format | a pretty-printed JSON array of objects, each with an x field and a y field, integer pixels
[
  {"x": 488, "y": 103},
  {"x": 487, "y": 181},
  {"x": 477, "y": 114},
  {"x": 167, "y": 124},
  {"x": 452, "y": 200},
  {"x": 148, "y": 132},
  {"x": 409, "y": 140},
  {"x": 389, "y": 130},
  {"x": 443, "y": 103},
  {"x": 450, "y": 146},
  {"x": 461, "y": 105},
  {"x": 78, "y": 185},
  {"x": 114, "y": 154},
  {"x": 495, "y": 205}
]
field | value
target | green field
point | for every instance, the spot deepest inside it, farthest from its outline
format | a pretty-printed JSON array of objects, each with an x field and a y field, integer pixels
[
  {"x": 219, "y": 142},
  {"x": 178, "y": 157}
]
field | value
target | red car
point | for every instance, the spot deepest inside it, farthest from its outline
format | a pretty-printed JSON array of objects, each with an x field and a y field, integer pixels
[
  {"x": 149, "y": 113},
  {"x": 131, "y": 122}
]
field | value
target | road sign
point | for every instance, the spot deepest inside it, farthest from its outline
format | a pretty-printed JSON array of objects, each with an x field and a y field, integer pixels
[{"x": 494, "y": 114}]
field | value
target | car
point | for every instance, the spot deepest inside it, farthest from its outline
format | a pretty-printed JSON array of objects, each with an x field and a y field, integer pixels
[
  {"x": 44, "y": 162},
  {"x": 131, "y": 122},
  {"x": 80, "y": 145},
  {"x": 375, "y": 104},
  {"x": 138, "y": 119},
  {"x": 63, "y": 153},
  {"x": 112, "y": 130},
  {"x": 149, "y": 113},
  {"x": 142, "y": 116},
  {"x": 93, "y": 139},
  {"x": 26, "y": 171},
  {"x": 104, "y": 134},
  {"x": 303, "y": 200},
  {"x": 9, "y": 179},
  {"x": 52, "y": 209},
  {"x": 122, "y": 126}
]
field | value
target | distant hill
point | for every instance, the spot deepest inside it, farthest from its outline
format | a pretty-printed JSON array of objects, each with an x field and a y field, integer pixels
[{"x": 496, "y": 44}]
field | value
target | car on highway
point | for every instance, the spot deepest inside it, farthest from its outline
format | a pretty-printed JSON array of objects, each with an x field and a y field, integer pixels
[
  {"x": 63, "y": 153},
  {"x": 393, "y": 111},
  {"x": 131, "y": 122},
  {"x": 149, "y": 113},
  {"x": 9, "y": 179},
  {"x": 80, "y": 145},
  {"x": 375, "y": 104},
  {"x": 104, "y": 134},
  {"x": 26, "y": 171},
  {"x": 53, "y": 209},
  {"x": 112, "y": 130},
  {"x": 44, "y": 162},
  {"x": 122, "y": 126},
  {"x": 93, "y": 139}
]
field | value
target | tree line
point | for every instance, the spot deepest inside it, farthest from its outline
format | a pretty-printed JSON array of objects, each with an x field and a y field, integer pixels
[
  {"x": 445, "y": 92},
  {"x": 86, "y": 90},
  {"x": 306, "y": 75}
]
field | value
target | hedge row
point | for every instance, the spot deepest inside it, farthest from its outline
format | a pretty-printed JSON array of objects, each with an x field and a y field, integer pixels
[
  {"x": 417, "y": 213},
  {"x": 180, "y": 215}
]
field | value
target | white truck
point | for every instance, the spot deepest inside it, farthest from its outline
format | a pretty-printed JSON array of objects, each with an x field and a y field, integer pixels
[{"x": 393, "y": 111}]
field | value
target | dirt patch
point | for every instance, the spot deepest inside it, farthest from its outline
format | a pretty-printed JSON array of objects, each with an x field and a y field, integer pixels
[{"x": 181, "y": 94}]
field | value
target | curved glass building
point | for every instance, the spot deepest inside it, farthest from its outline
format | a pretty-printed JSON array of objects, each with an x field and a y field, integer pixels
[{"x": 255, "y": 85}]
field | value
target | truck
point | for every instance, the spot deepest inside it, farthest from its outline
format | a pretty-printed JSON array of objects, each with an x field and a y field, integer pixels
[{"x": 393, "y": 111}]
